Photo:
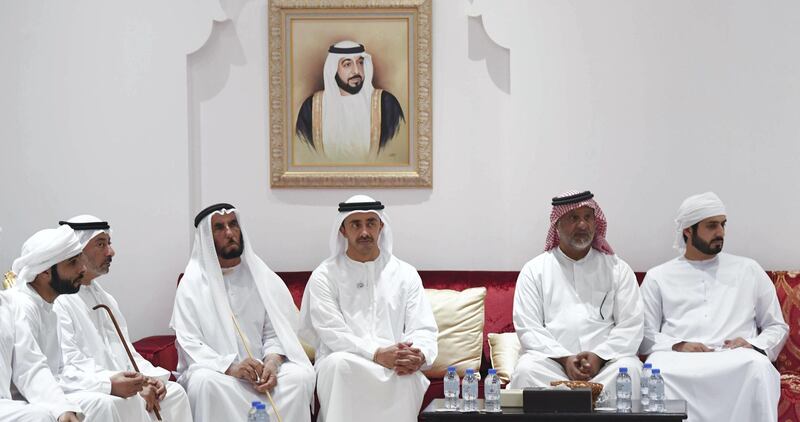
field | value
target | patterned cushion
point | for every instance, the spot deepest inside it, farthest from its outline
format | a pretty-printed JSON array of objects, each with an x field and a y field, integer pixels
[
  {"x": 788, "y": 363},
  {"x": 789, "y": 405},
  {"x": 786, "y": 286}
]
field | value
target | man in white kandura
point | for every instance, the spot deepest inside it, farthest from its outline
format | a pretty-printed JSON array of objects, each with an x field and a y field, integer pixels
[
  {"x": 236, "y": 327},
  {"x": 366, "y": 313},
  {"x": 95, "y": 358},
  {"x": 43, "y": 276},
  {"x": 21, "y": 360},
  {"x": 577, "y": 309},
  {"x": 708, "y": 301}
]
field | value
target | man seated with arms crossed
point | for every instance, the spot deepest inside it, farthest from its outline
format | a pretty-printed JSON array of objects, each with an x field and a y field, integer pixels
[
  {"x": 367, "y": 314},
  {"x": 236, "y": 324},
  {"x": 577, "y": 309},
  {"x": 706, "y": 300}
]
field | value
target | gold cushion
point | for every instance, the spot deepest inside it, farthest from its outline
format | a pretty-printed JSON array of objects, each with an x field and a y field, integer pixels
[
  {"x": 309, "y": 349},
  {"x": 459, "y": 316},
  {"x": 310, "y": 352},
  {"x": 504, "y": 351}
]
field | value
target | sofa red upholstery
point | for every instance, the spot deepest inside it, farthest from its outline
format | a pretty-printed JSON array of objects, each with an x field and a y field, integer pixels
[
  {"x": 788, "y": 363},
  {"x": 498, "y": 307}
]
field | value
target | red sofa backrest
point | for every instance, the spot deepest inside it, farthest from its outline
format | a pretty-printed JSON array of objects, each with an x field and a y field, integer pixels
[
  {"x": 500, "y": 300},
  {"x": 499, "y": 293},
  {"x": 498, "y": 304}
]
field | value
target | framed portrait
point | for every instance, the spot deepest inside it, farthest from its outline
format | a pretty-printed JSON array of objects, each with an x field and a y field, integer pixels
[{"x": 350, "y": 93}]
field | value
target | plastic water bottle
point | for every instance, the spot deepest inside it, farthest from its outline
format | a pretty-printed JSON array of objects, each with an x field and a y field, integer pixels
[
  {"x": 469, "y": 390},
  {"x": 644, "y": 386},
  {"x": 491, "y": 392},
  {"x": 657, "y": 392},
  {"x": 624, "y": 387},
  {"x": 251, "y": 415},
  {"x": 451, "y": 388},
  {"x": 261, "y": 413}
]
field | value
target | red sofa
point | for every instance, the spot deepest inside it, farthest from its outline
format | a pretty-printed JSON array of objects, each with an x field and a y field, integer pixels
[{"x": 498, "y": 306}]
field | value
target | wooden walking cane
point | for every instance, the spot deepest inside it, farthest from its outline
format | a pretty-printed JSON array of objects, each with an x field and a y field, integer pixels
[
  {"x": 250, "y": 355},
  {"x": 124, "y": 343}
]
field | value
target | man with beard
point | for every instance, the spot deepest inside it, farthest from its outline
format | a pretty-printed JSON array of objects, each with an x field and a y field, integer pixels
[
  {"x": 39, "y": 399},
  {"x": 349, "y": 120},
  {"x": 366, "y": 313},
  {"x": 577, "y": 309},
  {"x": 236, "y": 324},
  {"x": 95, "y": 358},
  {"x": 706, "y": 301},
  {"x": 36, "y": 289}
]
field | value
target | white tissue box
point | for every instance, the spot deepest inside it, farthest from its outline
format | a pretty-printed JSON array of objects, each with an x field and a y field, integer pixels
[{"x": 510, "y": 398}]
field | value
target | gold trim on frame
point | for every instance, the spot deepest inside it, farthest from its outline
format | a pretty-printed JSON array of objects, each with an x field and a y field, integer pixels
[
  {"x": 375, "y": 122},
  {"x": 420, "y": 173},
  {"x": 316, "y": 119}
]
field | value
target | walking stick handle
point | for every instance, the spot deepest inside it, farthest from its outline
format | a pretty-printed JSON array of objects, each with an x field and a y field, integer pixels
[{"x": 125, "y": 344}]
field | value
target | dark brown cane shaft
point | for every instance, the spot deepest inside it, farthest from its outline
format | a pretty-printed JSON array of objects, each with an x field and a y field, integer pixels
[{"x": 125, "y": 344}]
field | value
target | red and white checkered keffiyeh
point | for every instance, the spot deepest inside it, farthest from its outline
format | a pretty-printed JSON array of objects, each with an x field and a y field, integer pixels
[{"x": 601, "y": 225}]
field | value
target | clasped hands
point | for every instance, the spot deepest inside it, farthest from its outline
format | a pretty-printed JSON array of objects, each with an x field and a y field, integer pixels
[
  {"x": 401, "y": 357},
  {"x": 68, "y": 417},
  {"x": 581, "y": 367},
  {"x": 126, "y": 384},
  {"x": 263, "y": 376},
  {"x": 688, "y": 346}
]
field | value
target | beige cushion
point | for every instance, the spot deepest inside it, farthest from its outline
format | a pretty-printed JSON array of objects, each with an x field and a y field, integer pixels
[
  {"x": 310, "y": 352},
  {"x": 309, "y": 349},
  {"x": 459, "y": 316},
  {"x": 504, "y": 351}
]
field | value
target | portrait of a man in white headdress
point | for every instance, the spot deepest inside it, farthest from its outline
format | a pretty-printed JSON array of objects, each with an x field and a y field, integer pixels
[{"x": 350, "y": 120}]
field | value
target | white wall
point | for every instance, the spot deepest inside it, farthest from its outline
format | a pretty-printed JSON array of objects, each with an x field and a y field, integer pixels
[
  {"x": 117, "y": 111},
  {"x": 94, "y": 120}
]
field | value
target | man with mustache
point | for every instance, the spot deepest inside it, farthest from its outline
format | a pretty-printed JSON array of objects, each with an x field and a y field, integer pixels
[
  {"x": 366, "y": 313},
  {"x": 94, "y": 356},
  {"x": 35, "y": 295},
  {"x": 236, "y": 327},
  {"x": 577, "y": 309},
  {"x": 708, "y": 301},
  {"x": 349, "y": 121},
  {"x": 50, "y": 263}
]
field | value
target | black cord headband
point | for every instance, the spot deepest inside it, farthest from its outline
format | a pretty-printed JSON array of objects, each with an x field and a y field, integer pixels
[{"x": 216, "y": 207}]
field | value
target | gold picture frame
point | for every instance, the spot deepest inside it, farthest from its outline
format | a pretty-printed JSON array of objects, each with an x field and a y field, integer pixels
[{"x": 378, "y": 133}]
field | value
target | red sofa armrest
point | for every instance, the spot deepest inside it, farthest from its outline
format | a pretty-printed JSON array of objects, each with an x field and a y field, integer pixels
[{"x": 160, "y": 351}]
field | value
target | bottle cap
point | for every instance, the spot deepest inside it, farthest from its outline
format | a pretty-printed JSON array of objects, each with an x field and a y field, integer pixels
[
  {"x": 648, "y": 365},
  {"x": 255, "y": 403},
  {"x": 623, "y": 370},
  {"x": 656, "y": 371},
  {"x": 492, "y": 371},
  {"x": 451, "y": 369},
  {"x": 470, "y": 371}
]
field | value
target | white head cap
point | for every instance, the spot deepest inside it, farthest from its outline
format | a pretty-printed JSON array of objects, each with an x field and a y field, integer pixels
[
  {"x": 693, "y": 210},
  {"x": 360, "y": 203},
  {"x": 43, "y": 250}
]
